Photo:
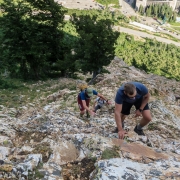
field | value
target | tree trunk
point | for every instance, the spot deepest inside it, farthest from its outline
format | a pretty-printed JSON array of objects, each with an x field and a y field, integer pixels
[
  {"x": 63, "y": 73},
  {"x": 95, "y": 73},
  {"x": 36, "y": 73}
]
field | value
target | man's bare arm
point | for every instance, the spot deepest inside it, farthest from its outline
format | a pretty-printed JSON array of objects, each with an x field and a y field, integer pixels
[
  {"x": 121, "y": 131},
  {"x": 86, "y": 107},
  {"x": 101, "y": 96},
  {"x": 118, "y": 108}
]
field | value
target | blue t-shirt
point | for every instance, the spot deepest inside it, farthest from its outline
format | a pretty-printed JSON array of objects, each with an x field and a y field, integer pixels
[
  {"x": 84, "y": 96},
  {"x": 141, "y": 91}
]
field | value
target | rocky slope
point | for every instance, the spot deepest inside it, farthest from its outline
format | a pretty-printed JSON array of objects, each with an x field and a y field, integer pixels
[{"x": 49, "y": 141}]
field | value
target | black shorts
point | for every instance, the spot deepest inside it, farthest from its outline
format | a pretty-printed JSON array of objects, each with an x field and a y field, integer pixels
[{"x": 126, "y": 107}]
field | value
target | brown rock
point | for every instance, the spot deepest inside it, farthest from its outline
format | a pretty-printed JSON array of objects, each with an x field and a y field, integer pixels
[
  {"x": 71, "y": 178},
  {"x": 173, "y": 172},
  {"x": 142, "y": 151},
  {"x": 132, "y": 156},
  {"x": 64, "y": 153},
  {"x": 6, "y": 167},
  {"x": 117, "y": 142},
  {"x": 69, "y": 165}
]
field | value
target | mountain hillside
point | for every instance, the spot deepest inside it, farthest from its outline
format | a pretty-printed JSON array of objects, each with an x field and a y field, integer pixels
[{"x": 46, "y": 139}]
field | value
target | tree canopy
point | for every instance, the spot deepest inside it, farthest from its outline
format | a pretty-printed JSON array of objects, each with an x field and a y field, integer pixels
[
  {"x": 160, "y": 11},
  {"x": 96, "y": 44},
  {"x": 151, "y": 56},
  {"x": 32, "y": 35},
  {"x": 36, "y": 42}
]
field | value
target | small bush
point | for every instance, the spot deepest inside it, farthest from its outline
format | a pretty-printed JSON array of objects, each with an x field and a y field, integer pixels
[
  {"x": 106, "y": 2},
  {"x": 110, "y": 153},
  {"x": 7, "y": 84},
  {"x": 36, "y": 174}
]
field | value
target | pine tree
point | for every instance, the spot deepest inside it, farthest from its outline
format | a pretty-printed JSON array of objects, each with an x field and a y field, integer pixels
[
  {"x": 95, "y": 48},
  {"x": 155, "y": 10},
  {"x": 32, "y": 35},
  {"x": 148, "y": 12},
  {"x": 141, "y": 10}
]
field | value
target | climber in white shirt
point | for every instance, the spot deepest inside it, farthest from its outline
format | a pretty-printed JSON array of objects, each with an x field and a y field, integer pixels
[{"x": 99, "y": 103}]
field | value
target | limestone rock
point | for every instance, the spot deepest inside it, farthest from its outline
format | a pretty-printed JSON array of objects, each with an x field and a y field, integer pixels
[{"x": 64, "y": 152}]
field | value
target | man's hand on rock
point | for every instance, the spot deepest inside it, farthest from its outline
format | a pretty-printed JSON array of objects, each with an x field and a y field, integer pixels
[{"x": 122, "y": 133}]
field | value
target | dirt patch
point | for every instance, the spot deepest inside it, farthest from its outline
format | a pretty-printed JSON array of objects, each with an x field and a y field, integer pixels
[
  {"x": 25, "y": 138},
  {"x": 44, "y": 149},
  {"x": 168, "y": 130},
  {"x": 138, "y": 38},
  {"x": 41, "y": 148},
  {"x": 79, "y": 169}
]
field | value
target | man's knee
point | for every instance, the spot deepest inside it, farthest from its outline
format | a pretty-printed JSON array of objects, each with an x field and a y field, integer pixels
[
  {"x": 148, "y": 119},
  {"x": 147, "y": 116}
]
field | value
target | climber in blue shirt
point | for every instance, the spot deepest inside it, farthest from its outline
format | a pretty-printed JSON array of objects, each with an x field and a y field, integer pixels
[
  {"x": 84, "y": 98},
  {"x": 129, "y": 94}
]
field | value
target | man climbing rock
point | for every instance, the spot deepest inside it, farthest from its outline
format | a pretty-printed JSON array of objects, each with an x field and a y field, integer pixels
[{"x": 129, "y": 94}]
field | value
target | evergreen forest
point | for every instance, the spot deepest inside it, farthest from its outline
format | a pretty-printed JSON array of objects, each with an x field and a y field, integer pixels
[
  {"x": 161, "y": 11},
  {"x": 37, "y": 43}
]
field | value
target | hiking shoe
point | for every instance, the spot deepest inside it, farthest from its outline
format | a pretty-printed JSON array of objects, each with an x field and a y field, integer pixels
[
  {"x": 139, "y": 132},
  {"x": 87, "y": 115}
]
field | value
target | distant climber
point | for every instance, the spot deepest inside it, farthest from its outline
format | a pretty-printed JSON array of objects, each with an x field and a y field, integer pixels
[
  {"x": 99, "y": 103},
  {"x": 129, "y": 94},
  {"x": 84, "y": 100}
]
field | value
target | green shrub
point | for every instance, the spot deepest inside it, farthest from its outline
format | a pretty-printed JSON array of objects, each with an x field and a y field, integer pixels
[
  {"x": 106, "y": 2},
  {"x": 8, "y": 84},
  {"x": 110, "y": 153}
]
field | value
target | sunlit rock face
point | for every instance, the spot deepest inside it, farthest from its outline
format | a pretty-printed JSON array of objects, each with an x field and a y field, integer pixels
[
  {"x": 47, "y": 139},
  {"x": 120, "y": 168}
]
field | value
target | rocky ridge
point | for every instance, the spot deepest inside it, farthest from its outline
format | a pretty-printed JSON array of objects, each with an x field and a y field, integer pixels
[{"x": 52, "y": 142}]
